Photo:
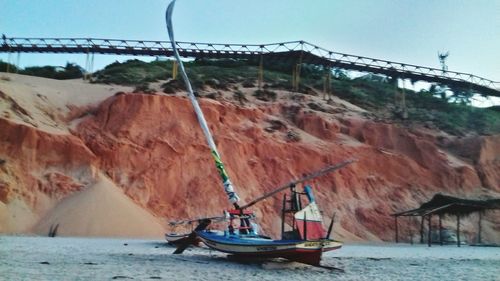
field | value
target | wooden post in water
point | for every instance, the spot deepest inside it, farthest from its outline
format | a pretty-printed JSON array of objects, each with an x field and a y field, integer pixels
[
  {"x": 440, "y": 230},
  {"x": 396, "y": 228},
  {"x": 429, "y": 230},
  {"x": 458, "y": 230}
]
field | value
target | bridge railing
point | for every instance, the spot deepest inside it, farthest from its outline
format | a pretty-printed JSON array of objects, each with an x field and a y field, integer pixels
[
  {"x": 323, "y": 56},
  {"x": 404, "y": 67}
]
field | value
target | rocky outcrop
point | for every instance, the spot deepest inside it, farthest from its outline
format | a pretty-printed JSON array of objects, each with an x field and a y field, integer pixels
[{"x": 484, "y": 152}]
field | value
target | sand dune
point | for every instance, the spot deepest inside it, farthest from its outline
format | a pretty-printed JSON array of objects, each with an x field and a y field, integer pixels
[
  {"x": 43, "y": 103},
  {"x": 100, "y": 210}
]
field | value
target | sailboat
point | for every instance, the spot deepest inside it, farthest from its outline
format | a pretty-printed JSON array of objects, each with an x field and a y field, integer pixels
[
  {"x": 307, "y": 239},
  {"x": 305, "y": 242}
]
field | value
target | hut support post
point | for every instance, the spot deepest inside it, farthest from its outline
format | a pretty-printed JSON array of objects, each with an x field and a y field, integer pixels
[
  {"x": 458, "y": 230},
  {"x": 429, "y": 230},
  {"x": 440, "y": 230},
  {"x": 396, "y": 228},
  {"x": 479, "y": 228},
  {"x": 422, "y": 230}
]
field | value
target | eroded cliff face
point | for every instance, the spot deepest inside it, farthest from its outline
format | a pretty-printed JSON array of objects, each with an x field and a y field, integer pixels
[
  {"x": 151, "y": 146},
  {"x": 37, "y": 169}
]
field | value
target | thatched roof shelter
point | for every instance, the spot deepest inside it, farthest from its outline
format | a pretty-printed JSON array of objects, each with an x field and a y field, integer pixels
[
  {"x": 447, "y": 205},
  {"x": 444, "y": 204}
]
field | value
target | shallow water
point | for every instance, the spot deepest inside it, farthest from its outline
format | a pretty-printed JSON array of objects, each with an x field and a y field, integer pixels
[{"x": 42, "y": 258}]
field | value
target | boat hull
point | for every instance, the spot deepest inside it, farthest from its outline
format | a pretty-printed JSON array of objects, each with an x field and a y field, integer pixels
[{"x": 308, "y": 252}]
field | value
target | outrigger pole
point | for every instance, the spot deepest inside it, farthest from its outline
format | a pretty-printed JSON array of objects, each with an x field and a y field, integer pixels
[
  {"x": 198, "y": 220},
  {"x": 228, "y": 186}
]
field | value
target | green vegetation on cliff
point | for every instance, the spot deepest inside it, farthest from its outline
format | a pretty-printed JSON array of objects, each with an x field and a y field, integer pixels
[
  {"x": 451, "y": 113},
  {"x": 70, "y": 71},
  {"x": 455, "y": 117}
]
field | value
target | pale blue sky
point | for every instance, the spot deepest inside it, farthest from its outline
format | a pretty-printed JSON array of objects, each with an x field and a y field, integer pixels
[{"x": 400, "y": 30}]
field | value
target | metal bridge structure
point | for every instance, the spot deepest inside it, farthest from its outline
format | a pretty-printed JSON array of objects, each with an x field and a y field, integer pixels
[{"x": 300, "y": 51}]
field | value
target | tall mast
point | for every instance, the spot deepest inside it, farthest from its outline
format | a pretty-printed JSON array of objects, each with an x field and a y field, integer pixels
[{"x": 228, "y": 186}]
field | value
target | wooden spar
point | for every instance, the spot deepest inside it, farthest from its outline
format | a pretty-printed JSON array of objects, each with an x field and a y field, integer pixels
[
  {"x": 283, "y": 210},
  {"x": 319, "y": 173},
  {"x": 218, "y": 218},
  {"x": 243, "y": 226},
  {"x": 305, "y": 226},
  {"x": 330, "y": 227},
  {"x": 192, "y": 236},
  {"x": 297, "y": 206},
  {"x": 226, "y": 182}
]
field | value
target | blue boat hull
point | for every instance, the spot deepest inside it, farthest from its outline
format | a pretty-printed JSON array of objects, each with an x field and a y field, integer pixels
[{"x": 308, "y": 252}]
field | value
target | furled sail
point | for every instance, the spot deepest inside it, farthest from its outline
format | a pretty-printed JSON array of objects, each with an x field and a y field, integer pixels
[{"x": 228, "y": 186}]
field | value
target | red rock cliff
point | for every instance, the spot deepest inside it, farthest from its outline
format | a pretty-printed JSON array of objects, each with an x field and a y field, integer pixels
[{"x": 152, "y": 147}]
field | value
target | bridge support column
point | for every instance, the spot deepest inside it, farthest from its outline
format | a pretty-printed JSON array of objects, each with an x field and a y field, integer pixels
[
  {"x": 404, "y": 110},
  {"x": 175, "y": 68},
  {"x": 8, "y": 62},
  {"x": 296, "y": 77},
  {"x": 260, "y": 79},
  {"x": 296, "y": 74},
  {"x": 89, "y": 66},
  {"x": 327, "y": 85},
  {"x": 400, "y": 99},
  {"x": 18, "y": 61}
]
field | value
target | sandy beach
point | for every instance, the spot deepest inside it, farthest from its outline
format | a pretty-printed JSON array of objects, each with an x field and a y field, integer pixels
[{"x": 42, "y": 258}]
